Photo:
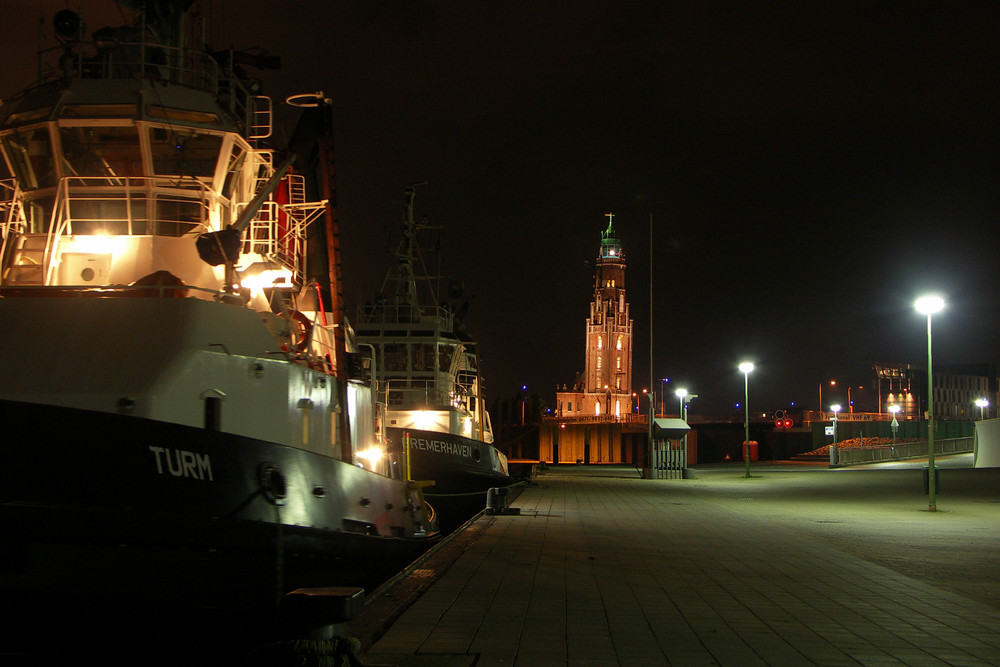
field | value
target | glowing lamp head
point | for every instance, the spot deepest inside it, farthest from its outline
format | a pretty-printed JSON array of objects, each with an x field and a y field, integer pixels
[
  {"x": 928, "y": 305},
  {"x": 681, "y": 393},
  {"x": 370, "y": 456},
  {"x": 746, "y": 367},
  {"x": 893, "y": 409},
  {"x": 835, "y": 408}
]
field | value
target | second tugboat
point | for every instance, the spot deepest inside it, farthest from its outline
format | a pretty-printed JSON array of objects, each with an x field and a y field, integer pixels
[{"x": 428, "y": 374}]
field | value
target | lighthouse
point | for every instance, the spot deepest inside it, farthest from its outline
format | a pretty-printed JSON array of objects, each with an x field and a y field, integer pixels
[{"x": 594, "y": 420}]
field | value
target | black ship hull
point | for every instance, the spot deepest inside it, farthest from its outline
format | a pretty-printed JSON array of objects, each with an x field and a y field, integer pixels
[
  {"x": 97, "y": 504},
  {"x": 463, "y": 471}
]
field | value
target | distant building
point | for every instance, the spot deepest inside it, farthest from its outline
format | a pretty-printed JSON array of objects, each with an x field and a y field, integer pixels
[
  {"x": 593, "y": 420},
  {"x": 956, "y": 390},
  {"x": 605, "y": 388}
]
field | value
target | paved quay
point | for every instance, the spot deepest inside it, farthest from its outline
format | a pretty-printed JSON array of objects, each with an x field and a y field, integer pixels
[{"x": 797, "y": 565}]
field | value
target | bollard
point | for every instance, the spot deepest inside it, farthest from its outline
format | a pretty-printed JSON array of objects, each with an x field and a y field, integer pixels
[{"x": 496, "y": 502}]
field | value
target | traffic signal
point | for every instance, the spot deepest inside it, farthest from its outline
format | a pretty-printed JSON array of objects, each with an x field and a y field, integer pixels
[{"x": 787, "y": 423}]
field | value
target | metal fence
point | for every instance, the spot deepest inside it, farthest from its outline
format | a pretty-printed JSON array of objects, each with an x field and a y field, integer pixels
[
  {"x": 669, "y": 463},
  {"x": 910, "y": 450}
]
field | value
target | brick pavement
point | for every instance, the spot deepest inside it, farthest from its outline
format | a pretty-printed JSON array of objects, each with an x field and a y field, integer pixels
[{"x": 795, "y": 566}]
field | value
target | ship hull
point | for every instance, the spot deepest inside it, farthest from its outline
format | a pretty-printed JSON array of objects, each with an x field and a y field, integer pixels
[
  {"x": 97, "y": 503},
  {"x": 462, "y": 469}
]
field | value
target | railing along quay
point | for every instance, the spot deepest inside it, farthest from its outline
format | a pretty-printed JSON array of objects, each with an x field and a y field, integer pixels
[{"x": 909, "y": 450}]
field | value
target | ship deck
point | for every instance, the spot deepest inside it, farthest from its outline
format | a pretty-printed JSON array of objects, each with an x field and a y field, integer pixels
[{"x": 799, "y": 564}]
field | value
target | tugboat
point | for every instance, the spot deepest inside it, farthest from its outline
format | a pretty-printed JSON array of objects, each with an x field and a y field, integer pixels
[
  {"x": 182, "y": 413},
  {"x": 428, "y": 377}
]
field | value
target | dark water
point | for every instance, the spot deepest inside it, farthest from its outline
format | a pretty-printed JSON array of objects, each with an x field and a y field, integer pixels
[{"x": 165, "y": 607}]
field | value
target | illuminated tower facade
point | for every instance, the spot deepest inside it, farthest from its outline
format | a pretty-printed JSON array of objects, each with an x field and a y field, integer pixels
[{"x": 605, "y": 388}]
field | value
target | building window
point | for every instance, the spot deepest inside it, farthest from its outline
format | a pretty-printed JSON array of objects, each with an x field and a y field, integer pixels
[
  {"x": 600, "y": 343},
  {"x": 597, "y": 409},
  {"x": 619, "y": 342}
]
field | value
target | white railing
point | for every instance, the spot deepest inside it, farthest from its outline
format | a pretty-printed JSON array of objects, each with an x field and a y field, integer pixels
[
  {"x": 125, "y": 205},
  {"x": 909, "y": 450}
]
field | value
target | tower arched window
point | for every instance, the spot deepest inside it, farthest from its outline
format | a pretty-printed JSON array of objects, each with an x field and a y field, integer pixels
[
  {"x": 600, "y": 343},
  {"x": 619, "y": 342}
]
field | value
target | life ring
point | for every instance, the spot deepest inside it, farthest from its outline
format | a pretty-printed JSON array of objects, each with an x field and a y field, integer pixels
[{"x": 305, "y": 326}]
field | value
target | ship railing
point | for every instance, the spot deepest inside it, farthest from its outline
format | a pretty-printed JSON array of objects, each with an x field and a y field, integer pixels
[
  {"x": 400, "y": 314},
  {"x": 126, "y": 206},
  {"x": 415, "y": 392},
  {"x": 113, "y": 59},
  {"x": 148, "y": 291},
  {"x": 278, "y": 231}
]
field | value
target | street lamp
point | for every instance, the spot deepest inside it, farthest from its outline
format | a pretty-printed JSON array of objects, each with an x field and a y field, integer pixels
[
  {"x": 981, "y": 403},
  {"x": 745, "y": 368},
  {"x": 894, "y": 409},
  {"x": 682, "y": 394},
  {"x": 833, "y": 448},
  {"x": 928, "y": 305}
]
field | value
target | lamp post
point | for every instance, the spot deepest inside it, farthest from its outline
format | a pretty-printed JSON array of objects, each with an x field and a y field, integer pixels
[
  {"x": 681, "y": 394},
  {"x": 981, "y": 403},
  {"x": 928, "y": 305},
  {"x": 663, "y": 393},
  {"x": 894, "y": 409},
  {"x": 745, "y": 368},
  {"x": 833, "y": 383},
  {"x": 833, "y": 448},
  {"x": 850, "y": 403}
]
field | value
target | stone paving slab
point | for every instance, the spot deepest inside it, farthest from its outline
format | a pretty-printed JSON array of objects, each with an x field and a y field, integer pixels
[{"x": 794, "y": 566}]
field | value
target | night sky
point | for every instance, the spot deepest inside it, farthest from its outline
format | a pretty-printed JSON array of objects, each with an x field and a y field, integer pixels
[{"x": 809, "y": 168}]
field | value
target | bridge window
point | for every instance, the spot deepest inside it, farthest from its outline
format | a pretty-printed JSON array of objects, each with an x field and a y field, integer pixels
[
  {"x": 184, "y": 152},
  {"x": 30, "y": 154},
  {"x": 90, "y": 150}
]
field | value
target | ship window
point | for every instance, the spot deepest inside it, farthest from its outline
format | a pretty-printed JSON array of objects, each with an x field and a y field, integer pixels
[
  {"x": 30, "y": 153},
  {"x": 236, "y": 160},
  {"x": 445, "y": 355},
  {"x": 176, "y": 216},
  {"x": 107, "y": 215},
  {"x": 184, "y": 152},
  {"x": 101, "y": 151},
  {"x": 395, "y": 355},
  {"x": 98, "y": 111},
  {"x": 423, "y": 357},
  {"x": 27, "y": 116},
  {"x": 183, "y": 115}
]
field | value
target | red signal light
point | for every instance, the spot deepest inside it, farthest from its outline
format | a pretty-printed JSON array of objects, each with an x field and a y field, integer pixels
[
  {"x": 779, "y": 423},
  {"x": 787, "y": 424}
]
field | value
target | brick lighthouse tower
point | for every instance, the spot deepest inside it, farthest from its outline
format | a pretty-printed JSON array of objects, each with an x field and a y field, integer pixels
[{"x": 605, "y": 388}]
